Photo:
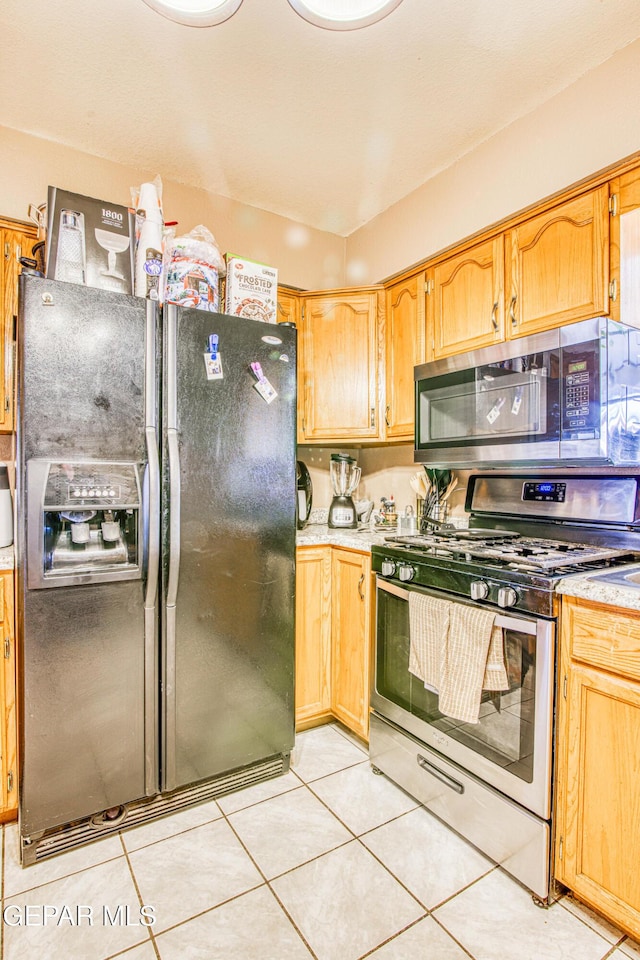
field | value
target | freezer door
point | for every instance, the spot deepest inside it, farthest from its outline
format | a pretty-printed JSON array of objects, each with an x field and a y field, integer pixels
[
  {"x": 89, "y": 652},
  {"x": 229, "y": 541}
]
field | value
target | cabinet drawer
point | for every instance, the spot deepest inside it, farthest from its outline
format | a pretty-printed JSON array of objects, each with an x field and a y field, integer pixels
[{"x": 606, "y": 637}]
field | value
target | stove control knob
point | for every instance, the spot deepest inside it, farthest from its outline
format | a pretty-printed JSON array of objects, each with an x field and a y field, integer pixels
[
  {"x": 479, "y": 590},
  {"x": 507, "y": 597},
  {"x": 388, "y": 568},
  {"x": 405, "y": 572}
]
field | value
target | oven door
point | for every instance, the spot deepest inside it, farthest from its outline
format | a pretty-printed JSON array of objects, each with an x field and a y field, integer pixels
[{"x": 510, "y": 748}]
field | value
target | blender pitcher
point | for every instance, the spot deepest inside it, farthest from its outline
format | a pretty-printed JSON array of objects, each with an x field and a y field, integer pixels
[{"x": 345, "y": 477}]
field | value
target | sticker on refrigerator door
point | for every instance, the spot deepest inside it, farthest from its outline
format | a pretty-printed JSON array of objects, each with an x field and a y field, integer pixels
[
  {"x": 212, "y": 360},
  {"x": 264, "y": 388}
]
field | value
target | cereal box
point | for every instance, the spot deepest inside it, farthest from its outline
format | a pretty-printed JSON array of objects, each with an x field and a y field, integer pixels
[{"x": 251, "y": 289}]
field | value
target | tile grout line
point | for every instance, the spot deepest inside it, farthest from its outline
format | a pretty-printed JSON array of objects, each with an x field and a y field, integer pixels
[
  {"x": 150, "y": 932},
  {"x": 267, "y": 881}
]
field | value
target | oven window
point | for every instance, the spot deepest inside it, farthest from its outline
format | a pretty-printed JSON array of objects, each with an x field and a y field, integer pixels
[{"x": 505, "y": 731}]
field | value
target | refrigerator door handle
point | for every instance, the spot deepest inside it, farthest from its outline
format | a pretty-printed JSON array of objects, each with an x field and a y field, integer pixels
[
  {"x": 169, "y": 776},
  {"x": 153, "y": 555}
]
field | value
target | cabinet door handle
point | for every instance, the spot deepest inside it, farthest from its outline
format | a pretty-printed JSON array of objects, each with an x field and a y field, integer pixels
[
  {"x": 386, "y": 414},
  {"x": 613, "y": 289},
  {"x": 512, "y": 311},
  {"x": 360, "y": 582},
  {"x": 494, "y": 316},
  {"x": 373, "y": 416}
]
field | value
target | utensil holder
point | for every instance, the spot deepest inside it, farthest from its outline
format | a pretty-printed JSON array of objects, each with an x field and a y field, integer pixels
[{"x": 427, "y": 510}]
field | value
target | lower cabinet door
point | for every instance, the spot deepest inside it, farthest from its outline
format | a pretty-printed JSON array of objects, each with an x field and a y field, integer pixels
[
  {"x": 313, "y": 634},
  {"x": 351, "y": 593},
  {"x": 598, "y": 844}
]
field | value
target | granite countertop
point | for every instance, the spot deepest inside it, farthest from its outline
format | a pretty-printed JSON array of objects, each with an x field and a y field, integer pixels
[
  {"x": 7, "y": 561},
  {"x": 585, "y": 587},
  {"x": 319, "y": 534}
]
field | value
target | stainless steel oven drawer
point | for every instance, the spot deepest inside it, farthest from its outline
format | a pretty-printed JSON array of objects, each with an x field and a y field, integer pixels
[{"x": 504, "y": 831}]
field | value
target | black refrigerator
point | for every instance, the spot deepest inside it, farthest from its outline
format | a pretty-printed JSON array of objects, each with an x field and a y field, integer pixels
[{"x": 156, "y": 558}]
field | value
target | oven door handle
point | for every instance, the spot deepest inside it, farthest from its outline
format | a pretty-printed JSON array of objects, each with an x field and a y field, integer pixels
[
  {"x": 440, "y": 775},
  {"x": 505, "y": 622}
]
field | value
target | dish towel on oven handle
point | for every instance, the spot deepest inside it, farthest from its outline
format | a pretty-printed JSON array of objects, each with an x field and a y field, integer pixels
[
  {"x": 428, "y": 632},
  {"x": 457, "y": 652}
]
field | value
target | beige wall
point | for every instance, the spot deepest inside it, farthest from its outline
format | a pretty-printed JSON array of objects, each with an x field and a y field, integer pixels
[
  {"x": 593, "y": 123},
  {"x": 305, "y": 257},
  {"x": 385, "y": 471}
]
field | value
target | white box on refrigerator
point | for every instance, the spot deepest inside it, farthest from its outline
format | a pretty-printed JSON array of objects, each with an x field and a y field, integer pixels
[{"x": 251, "y": 289}]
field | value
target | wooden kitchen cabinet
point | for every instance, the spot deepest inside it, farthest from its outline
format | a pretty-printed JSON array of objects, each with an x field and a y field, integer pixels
[
  {"x": 557, "y": 267},
  {"x": 546, "y": 271},
  {"x": 625, "y": 248},
  {"x": 404, "y": 349},
  {"x": 466, "y": 299},
  {"x": 598, "y": 759},
  {"x": 339, "y": 374},
  {"x": 8, "y": 739},
  {"x": 288, "y": 310},
  {"x": 313, "y": 635},
  {"x": 334, "y": 590},
  {"x": 351, "y": 593},
  {"x": 16, "y": 241}
]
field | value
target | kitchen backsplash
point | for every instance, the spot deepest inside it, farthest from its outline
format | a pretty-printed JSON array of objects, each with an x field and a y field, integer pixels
[{"x": 385, "y": 471}]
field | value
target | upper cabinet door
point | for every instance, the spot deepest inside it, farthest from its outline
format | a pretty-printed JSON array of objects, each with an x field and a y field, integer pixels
[
  {"x": 15, "y": 242},
  {"x": 466, "y": 299},
  {"x": 339, "y": 373},
  {"x": 625, "y": 248},
  {"x": 288, "y": 310},
  {"x": 404, "y": 349},
  {"x": 558, "y": 265}
]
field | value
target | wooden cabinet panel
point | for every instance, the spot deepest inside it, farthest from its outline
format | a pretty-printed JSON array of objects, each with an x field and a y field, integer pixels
[
  {"x": 598, "y": 760},
  {"x": 597, "y": 638},
  {"x": 340, "y": 366},
  {"x": 558, "y": 268},
  {"x": 404, "y": 348},
  {"x": 466, "y": 299},
  {"x": 625, "y": 248},
  {"x": 601, "y": 835},
  {"x": 351, "y": 598},
  {"x": 288, "y": 310},
  {"x": 15, "y": 242},
  {"x": 8, "y": 736},
  {"x": 313, "y": 634}
]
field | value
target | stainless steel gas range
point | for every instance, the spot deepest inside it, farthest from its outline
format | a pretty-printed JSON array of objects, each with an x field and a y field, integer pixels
[{"x": 490, "y": 777}]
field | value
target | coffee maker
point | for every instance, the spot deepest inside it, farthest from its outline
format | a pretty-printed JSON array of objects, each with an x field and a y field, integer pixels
[{"x": 345, "y": 477}]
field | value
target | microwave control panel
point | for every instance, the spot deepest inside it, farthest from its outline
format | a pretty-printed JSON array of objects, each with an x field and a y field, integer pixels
[{"x": 581, "y": 389}]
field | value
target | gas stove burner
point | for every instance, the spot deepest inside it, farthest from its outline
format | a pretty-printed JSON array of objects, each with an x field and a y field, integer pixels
[{"x": 506, "y": 548}]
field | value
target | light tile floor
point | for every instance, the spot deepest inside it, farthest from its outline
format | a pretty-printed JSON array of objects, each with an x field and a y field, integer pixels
[{"x": 329, "y": 861}]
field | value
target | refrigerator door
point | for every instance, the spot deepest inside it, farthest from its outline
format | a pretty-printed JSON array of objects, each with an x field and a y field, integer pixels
[
  {"x": 88, "y": 699},
  {"x": 229, "y": 540}
]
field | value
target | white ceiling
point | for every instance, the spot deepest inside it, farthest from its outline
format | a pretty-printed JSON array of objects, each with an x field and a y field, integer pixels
[{"x": 327, "y": 128}]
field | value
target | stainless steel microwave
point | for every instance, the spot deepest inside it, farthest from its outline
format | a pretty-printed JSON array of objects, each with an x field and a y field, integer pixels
[{"x": 569, "y": 395}]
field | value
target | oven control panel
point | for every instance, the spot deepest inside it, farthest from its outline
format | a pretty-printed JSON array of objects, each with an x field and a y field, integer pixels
[{"x": 545, "y": 491}]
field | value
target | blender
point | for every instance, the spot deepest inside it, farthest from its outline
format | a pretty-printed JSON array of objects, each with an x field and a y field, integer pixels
[{"x": 345, "y": 477}]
